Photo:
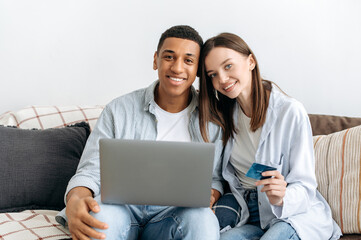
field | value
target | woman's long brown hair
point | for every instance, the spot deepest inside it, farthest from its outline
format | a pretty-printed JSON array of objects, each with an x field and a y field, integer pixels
[{"x": 220, "y": 111}]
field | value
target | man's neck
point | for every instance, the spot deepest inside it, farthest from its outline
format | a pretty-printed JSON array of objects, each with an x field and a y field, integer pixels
[{"x": 172, "y": 104}]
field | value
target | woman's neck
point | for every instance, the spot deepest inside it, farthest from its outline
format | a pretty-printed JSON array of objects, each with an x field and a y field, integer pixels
[{"x": 245, "y": 101}]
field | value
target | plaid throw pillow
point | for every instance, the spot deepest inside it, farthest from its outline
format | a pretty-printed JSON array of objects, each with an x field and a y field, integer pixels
[
  {"x": 42, "y": 117},
  {"x": 31, "y": 225}
]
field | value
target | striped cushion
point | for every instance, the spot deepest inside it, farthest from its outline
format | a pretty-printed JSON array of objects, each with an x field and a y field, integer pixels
[
  {"x": 42, "y": 117},
  {"x": 338, "y": 160}
]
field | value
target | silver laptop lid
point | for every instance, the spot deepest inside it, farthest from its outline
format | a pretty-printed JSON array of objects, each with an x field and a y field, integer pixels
[{"x": 165, "y": 173}]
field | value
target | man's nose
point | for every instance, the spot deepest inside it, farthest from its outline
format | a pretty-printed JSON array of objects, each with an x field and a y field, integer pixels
[{"x": 177, "y": 66}]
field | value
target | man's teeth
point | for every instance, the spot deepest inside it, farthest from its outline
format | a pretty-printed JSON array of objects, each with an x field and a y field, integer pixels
[
  {"x": 229, "y": 86},
  {"x": 176, "y": 79}
]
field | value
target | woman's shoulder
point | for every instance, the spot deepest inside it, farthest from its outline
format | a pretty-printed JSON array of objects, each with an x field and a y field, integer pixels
[{"x": 286, "y": 105}]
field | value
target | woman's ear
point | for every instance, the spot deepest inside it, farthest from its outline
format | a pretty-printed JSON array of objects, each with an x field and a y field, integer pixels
[
  {"x": 251, "y": 62},
  {"x": 155, "y": 67}
]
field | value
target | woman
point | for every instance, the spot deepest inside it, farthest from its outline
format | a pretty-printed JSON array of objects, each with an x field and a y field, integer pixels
[{"x": 262, "y": 124}]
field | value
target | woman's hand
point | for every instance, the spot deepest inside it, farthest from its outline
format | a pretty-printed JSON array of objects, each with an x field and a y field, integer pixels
[{"x": 275, "y": 187}]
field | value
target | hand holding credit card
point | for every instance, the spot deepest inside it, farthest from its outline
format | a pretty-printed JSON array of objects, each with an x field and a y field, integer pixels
[{"x": 256, "y": 170}]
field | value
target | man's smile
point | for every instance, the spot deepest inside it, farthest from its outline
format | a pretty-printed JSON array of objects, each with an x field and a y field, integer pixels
[{"x": 176, "y": 79}]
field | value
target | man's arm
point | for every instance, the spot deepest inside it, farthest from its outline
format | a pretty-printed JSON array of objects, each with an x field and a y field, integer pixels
[
  {"x": 86, "y": 183},
  {"x": 215, "y": 195},
  {"x": 79, "y": 202}
]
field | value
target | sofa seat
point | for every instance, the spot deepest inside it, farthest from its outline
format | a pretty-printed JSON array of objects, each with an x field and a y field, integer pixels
[{"x": 41, "y": 224}]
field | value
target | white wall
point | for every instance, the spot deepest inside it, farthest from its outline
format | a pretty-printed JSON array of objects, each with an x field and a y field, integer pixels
[{"x": 89, "y": 52}]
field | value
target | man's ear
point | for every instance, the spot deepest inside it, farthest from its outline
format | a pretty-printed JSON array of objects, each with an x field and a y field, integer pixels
[{"x": 155, "y": 67}]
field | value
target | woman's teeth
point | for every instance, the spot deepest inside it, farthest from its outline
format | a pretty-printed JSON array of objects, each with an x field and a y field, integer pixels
[{"x": 229, "y": 86}]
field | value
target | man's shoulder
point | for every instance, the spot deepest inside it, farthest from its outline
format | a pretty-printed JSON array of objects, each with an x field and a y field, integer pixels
[
  {"x": 132, "y": 99},
  {"x": 214, "y": 131}
]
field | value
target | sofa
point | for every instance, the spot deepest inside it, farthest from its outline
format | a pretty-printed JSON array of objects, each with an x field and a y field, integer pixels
[{"x": 40, "y": 151}]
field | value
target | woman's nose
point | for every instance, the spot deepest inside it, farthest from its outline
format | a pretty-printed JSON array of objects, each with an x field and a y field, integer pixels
[{"x": 223, "y": 77}]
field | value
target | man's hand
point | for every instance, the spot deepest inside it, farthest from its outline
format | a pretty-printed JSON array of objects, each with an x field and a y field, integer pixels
[
  {"x": 275, "y": 187},
  {"x": 215, "y": 195},
  {"x": 80, "y": 222}
]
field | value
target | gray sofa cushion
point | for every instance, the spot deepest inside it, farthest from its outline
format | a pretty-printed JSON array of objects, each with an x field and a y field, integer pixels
[{"x": 36, "y": 165}]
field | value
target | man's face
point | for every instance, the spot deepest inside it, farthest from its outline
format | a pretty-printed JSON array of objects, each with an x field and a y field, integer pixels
[{"x": 177, "y": 64}]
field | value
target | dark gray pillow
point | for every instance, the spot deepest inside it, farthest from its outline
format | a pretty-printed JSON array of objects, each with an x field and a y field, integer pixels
[{"x": 36, "y": 165}]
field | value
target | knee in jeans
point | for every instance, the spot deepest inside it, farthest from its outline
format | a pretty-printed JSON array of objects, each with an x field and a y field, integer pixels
[
  {"x": 201, "y": 219},
  {"x": 116, "y": 216}
]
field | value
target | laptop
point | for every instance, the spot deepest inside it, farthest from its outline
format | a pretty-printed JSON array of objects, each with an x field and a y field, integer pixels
[{"x": 143, "y": 172}]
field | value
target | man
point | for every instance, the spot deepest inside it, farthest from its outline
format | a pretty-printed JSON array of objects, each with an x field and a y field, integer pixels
[{"x": 166, "y": 110}]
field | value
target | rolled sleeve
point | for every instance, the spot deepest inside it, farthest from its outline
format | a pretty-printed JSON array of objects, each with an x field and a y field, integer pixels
[{"x": 88, "y": 171}]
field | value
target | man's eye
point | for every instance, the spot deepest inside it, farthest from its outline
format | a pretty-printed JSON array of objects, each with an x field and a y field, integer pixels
[
  {"x": 168, "y": 57},
  {"x": 228, "y": 66},
  {"x": 189, "y": 61}
]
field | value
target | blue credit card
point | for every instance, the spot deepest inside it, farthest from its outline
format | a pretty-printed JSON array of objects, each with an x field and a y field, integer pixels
[{"x": 256, "y": 170}]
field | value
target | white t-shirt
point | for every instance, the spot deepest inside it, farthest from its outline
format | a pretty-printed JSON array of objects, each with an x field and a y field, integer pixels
[
  {"x": 244, "y": 150},
  {"x": 172, "y": 126}
]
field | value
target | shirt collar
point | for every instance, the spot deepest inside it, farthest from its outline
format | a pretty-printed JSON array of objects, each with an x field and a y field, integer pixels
[{"x": 149, "y": 101}]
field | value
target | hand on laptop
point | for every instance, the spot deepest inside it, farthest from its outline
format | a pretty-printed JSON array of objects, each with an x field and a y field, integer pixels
[
  {"x": 215, "y": 195},
  {"x": 80, "y": 222}
]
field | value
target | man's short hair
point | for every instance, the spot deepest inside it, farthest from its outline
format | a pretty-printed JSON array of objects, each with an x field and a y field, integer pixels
[{"x": 181, "y": 31}]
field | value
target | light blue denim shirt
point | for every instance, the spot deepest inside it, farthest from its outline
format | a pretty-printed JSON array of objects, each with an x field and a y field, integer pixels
[
  {"x": 286, "y": 143},
  {"x": 132, "y": 116}
]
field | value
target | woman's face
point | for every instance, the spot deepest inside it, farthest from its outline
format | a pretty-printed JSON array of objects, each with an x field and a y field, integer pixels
[{"x": 230, "y": 71}]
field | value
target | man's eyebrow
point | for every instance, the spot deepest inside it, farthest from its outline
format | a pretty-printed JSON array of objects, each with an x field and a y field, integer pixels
[
  {"x": 168, "y": 51},
  {"x": 191, "y": 55},
  {"x": 171, "y": 51},
  {"x": 220, "y": 64}
]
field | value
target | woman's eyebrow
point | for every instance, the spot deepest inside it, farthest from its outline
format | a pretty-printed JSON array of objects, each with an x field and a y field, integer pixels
[{"x": 220, "y": 64}]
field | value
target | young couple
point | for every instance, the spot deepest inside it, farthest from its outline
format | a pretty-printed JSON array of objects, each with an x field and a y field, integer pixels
[{"x": 255, "y": 121}]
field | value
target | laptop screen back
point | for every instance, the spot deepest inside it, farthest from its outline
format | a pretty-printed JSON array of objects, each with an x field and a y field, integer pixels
[{"x": 164, "y": 173}]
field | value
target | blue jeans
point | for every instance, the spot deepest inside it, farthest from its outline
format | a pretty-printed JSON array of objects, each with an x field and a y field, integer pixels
[
  {"x": 157, "y": 222},
  {"x": 253, "y": 231}
]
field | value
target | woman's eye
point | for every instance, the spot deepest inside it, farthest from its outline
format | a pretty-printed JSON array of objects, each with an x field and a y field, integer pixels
[
  {"x": 228, "y": 66},
  {"x": 212, "y": 75},
  {"x": 189, "y": 60}
]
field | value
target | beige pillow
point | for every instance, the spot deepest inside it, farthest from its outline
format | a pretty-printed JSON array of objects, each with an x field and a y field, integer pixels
[{"x": 338, "y": 159}]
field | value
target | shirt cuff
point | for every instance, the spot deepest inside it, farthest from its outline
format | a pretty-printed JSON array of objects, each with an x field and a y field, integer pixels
[
  {"x": 82, "y": 182},
  {"x": 218, "y": 186}
]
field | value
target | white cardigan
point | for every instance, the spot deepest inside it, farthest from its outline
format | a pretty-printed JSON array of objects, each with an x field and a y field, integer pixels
[{"x": 286, "y": 143}]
